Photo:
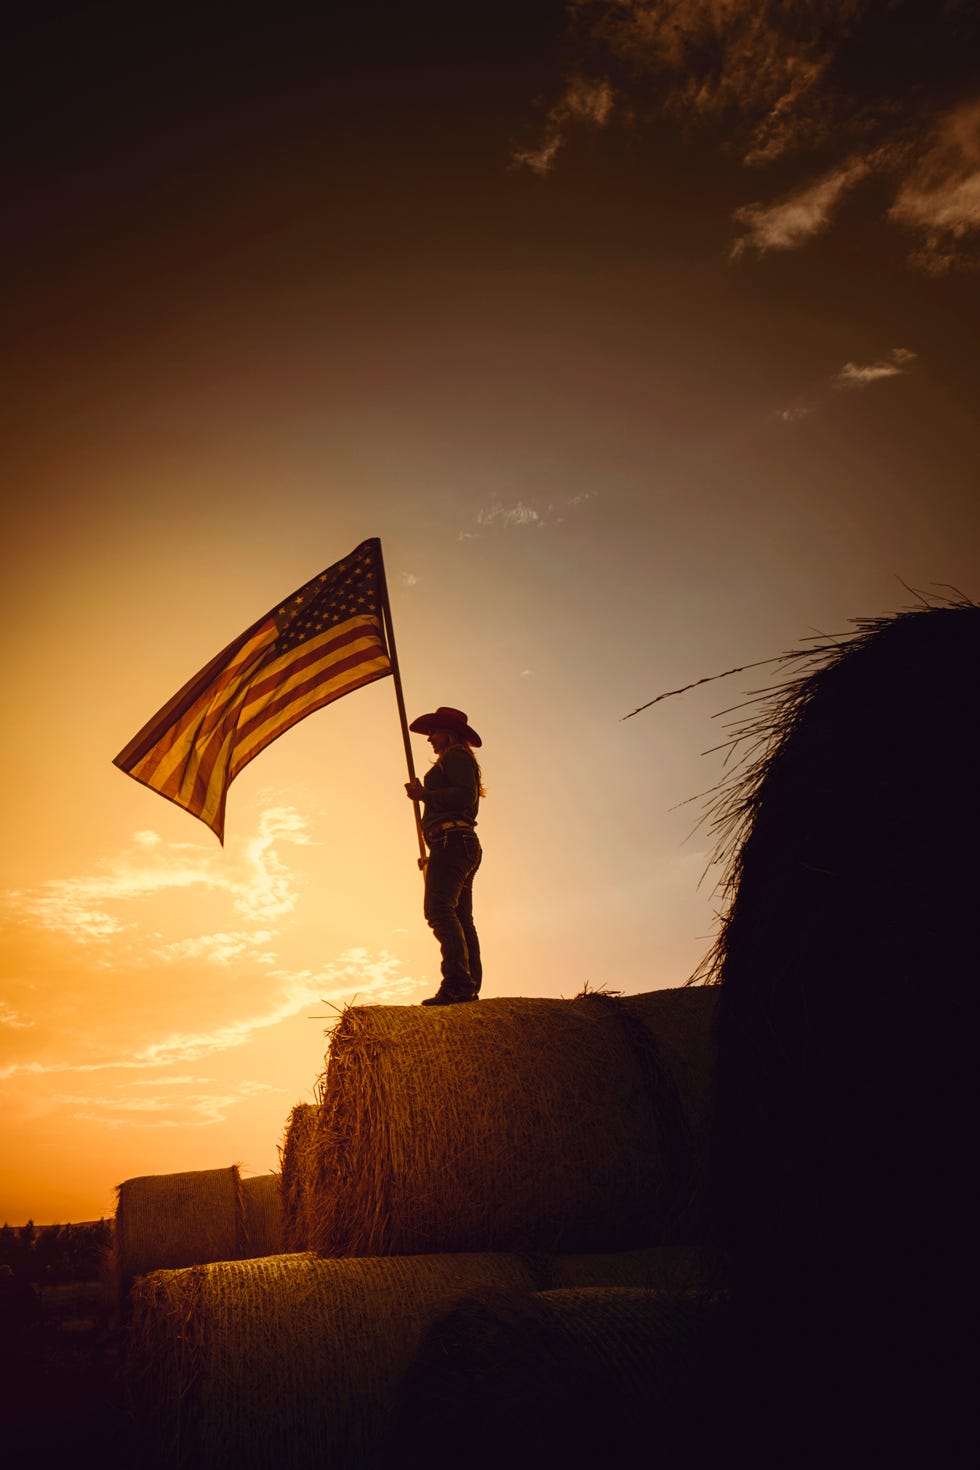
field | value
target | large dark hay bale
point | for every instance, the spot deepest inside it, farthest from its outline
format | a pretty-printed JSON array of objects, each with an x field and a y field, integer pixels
[
  {"x": 173, "y": 1220},
  {"x": 570, "y": 1378},
  {"x": 290, "y": 1362},
  {"x": 846, "y": 1115},
  {"x": 514, "y": 1124}
]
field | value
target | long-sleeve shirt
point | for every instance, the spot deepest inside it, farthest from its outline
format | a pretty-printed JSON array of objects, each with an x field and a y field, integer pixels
[{"x": 452, "y": 789}]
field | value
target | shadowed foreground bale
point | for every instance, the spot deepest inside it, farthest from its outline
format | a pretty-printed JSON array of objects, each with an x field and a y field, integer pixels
[
  {"x": 173, "y": 1220},
  {"x": 672, "y": 1268},
  {"x": 843, "y": 1193},
  {"x": 594, "y": 1377},
  {"x": 515, "y": 1124},
  {"x": 291, "y": 1361},
  {"x": 262, "y": 1199}
]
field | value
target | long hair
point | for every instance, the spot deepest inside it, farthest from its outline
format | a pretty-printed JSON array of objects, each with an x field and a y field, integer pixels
[{"x": 466, "y": 745}]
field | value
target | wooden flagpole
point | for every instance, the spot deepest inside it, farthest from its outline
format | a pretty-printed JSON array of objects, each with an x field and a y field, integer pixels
[{"x": 399, "y": 696}]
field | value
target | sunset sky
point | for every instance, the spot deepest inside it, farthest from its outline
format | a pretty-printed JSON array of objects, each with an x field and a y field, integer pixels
[{"x": 644, "y": 337}]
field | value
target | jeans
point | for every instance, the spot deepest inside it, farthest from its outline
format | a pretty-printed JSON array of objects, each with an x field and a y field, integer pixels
[{"x": 453, "y": 860}]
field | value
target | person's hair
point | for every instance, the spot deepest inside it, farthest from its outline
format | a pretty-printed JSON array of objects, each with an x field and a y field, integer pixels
[{"x": 459, "y": 739}]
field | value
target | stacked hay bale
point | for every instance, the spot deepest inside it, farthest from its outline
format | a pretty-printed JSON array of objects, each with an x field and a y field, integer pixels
[
  {"x": 291, "y": 1361},
  {"x": 301, "y": 1183},
  {"x": 517, "y": 1124},
  {"x": 172, "y": 1220},
  {"x": 262, "y": 1201},
  {"x": 518, "y": 1147},
  {"x": 299, "y": 1362},
  {"x": 667, "y": 1268},
  {"x": 165, "y": 1221},
  {"x": 576, "y": 1378}
]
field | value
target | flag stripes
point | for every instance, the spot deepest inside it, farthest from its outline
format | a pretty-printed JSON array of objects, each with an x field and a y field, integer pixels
[{"x": 322, "y": 643}]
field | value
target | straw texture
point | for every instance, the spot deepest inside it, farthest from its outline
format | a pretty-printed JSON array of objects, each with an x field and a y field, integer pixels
[
  {"x": 173, "y": 1220},
  {"x": 516, "y": 1124},
  {"x": 291, "y": 1362},
  {"x": 302, "y": 1176},
  {"x": 262, "y": 1200}
]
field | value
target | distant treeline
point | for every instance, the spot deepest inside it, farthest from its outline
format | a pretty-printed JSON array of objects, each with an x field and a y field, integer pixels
[{"x": 49, "y": 1254}]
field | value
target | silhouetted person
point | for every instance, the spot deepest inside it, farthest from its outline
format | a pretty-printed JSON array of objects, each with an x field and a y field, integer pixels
[
  {"x": 843, "y": 1198},
  {"x": 451, "y": 795}
]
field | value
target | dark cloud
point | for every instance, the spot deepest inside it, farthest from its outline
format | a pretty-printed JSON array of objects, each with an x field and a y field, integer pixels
[
  {"x": 795, "y": 219},
  {"x": 835, "y": 90},
  {"x": 939, "y": 196}
]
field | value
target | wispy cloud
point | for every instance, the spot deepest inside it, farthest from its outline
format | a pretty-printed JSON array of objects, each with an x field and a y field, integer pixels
[
  {"x": 791, "y": 222},
  {"x": 191, "y": 1110},
  {"x": 509, "y": 515},
  {"x": 583, "y": 100},
  {"x": 852, "y": 375},
  {"x": 747, "y": 63},
  {"x": 736, "y": 58},
  {"x": 940, "y": 195},
  {"x": 793, "y": 414},
  {"x": 520, "y": 515},
  {"x": 98, "y": 907},
  {"x": 357, "y": 975},
  {"x": 217, "y": 949},
  {"x": 859, "y": 375},
  {"x": 13, "y": 1019},
  {"x": 778, "y": 82}
]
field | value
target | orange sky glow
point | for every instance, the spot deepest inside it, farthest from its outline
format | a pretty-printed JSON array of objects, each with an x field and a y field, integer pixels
[{"x": 638, "y": 375}]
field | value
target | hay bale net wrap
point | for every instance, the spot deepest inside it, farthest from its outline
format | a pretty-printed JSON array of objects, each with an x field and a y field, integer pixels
[
  {"x": 568, "y": 1377},
  {"x": 515, "y": 1124},
  {"x": 673, "y": 1036},
  {"x": 173, "y": 1220},
  {"x": 670, "y": 1268},
  {"x": 262, "y": 1201},
  {"x": 291, "y": 1361}
]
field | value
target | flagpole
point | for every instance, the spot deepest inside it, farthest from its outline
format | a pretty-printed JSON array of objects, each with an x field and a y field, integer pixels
[{"x": 399, "y": 696}]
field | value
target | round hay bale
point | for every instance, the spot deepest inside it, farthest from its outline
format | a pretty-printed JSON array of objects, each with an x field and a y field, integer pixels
[
  {"x": 290, "y": 1362},
  {"x": 573, "y": 1378},
  {"x": 515, "y": 1124},
  {"x": 262, "y": 1199},
  {"x": 674, "y": 1268},
  {"x": 300, "y": 1159},
  {"x": 846, "y": 1104},
  {"x": 173, "y": 1220}
]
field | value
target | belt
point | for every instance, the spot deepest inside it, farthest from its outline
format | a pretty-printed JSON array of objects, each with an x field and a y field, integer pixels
[{"x": 436, "y": 829}]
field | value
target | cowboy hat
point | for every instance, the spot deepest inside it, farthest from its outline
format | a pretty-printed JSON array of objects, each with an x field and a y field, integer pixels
[{"x": 445, "y": 718}]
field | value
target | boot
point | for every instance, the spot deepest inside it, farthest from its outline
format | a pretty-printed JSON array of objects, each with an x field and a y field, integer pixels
[{"x": 445, "y": 997}]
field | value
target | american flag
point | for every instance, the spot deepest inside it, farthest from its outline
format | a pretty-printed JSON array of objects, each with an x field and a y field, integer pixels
[{"x": 320, "y": 643}]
